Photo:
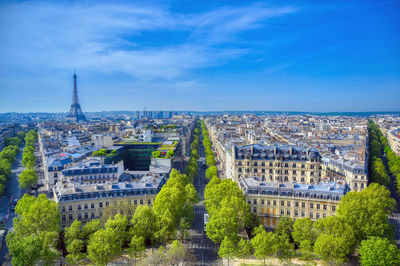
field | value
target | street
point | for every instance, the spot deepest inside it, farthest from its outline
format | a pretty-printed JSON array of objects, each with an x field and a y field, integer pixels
[
  {"x": 12, "y": 192},
  {"x": 202, "y": 247}
]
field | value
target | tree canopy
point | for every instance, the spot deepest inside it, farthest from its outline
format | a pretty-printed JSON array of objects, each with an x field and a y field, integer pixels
[{"x": 36, "y": 226}]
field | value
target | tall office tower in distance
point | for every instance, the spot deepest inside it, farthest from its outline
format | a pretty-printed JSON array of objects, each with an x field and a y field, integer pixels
[{"x": 75, "y": 113}]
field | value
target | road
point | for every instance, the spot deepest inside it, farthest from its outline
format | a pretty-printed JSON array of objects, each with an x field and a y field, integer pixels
[
  {"x": 12, "y": 192},
  {"x": 202, "y": 247}
]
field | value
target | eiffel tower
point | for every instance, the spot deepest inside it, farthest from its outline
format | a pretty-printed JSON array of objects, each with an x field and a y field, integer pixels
[{"x": 75, "y": 113}]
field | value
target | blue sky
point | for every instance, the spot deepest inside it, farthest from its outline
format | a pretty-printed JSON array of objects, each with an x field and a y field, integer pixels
[{"x": 200, "y": 55}]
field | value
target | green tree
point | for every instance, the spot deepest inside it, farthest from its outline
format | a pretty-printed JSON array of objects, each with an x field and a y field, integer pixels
[
  {"x": 100, "y": 153},
  {"x": 244, "y": 249},
  {"x": 74, "y": 249},
  {"x": 284, "y": 228},
  {"x": 119, "y": 225},
  {"x": 26, "y": 250},
  {"x": 144, "y": 223},
  {"x": 303, "y": 230},
  {"x": 265, "y": 244},
  {"x": 27, "y": 178},
  {"x": 224, "y": 223},
  {"x": 379, "y": 251},
  {"x": 156, "y": 154},
  {"x": 136, "y": 247},
  {"x": 103, "y": 246},
  {"x": 211, "y": 172},
  {"x": 227, "y": 249},
  {"x": 170, "y": 154},
  {"x": 336, "y": 239},
  {"x": 13, "y": 141},
  {"x": 37, "y": 223},
  {"x": 73, "y": 232},
  {"x": 90, "y": 228},
  {"x": 366, "y": 212}
]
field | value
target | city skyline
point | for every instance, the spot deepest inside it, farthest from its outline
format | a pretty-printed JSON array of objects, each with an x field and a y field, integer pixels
[{"x": 166, "y": 55}]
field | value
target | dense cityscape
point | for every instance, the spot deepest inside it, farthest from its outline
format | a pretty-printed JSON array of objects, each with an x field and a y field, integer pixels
[
  {"x": 175, "y": 187},
  {"x": 207, "y": 133}
]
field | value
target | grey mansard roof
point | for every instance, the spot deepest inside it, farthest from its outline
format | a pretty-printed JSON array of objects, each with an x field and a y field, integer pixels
[{"x": 284, "y": 152}]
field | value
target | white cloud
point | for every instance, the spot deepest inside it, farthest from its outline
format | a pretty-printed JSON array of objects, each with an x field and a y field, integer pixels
[{"x": 106, "y": 37}]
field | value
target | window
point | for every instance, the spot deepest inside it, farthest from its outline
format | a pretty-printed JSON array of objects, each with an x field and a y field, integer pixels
[
  {"x": 79, "y": 216},
  {"x": 70, "y": 207},
  {"x": 148, "y": 202},
  {"x": 274, "y": 202},
  {"x": 282, "y": 212},
  {"x": 333, "y": 208},
  {"x": 141, "y": 201},
  {"x": 262, "y": 202},
  {"x": 248, "y": 201},
  {"x": 92, "y": 215},
  {"x": 107, "y": 203},
  {"x": 288, "y": 212},
  {"x": 70, "y": 217},
  {"x": 324, "y": 206},
  {"x": 255, "y": 170},
  {"x": 318, "y": 206},
  {"x": 303, "y": 204},
  {"x": 135, "y": 201},
  {"x": 254, "y": 209},
  {"x": 317, "y": 215},
  {"x": 101, "y": 214},
  {"x": 311, "y": 205},
  {"x": 311, "y": 215},
  {"x": 86, "y": 215},
  {"x": 100, "y": 204},
  {"x": 240, "y": 170},
  {"x": 288, "y": 203},
  {"x": 282, "y": 203},
  {"x": 324, "y": 215},
  {"x": 268, "y": 202},
  {"x": 92, "y": 205},
  {"x": 255, "y": 201},
  {"x": 303, "y": 214},
  {"x": 296, "y": 213},
  {"x": 63, "y": 208},
  {"x": 79, "y": 207},
  {"x": 296, "y": 204},
  {"x": 63, "y": 218},
  {"x": 86, "y": 206}
]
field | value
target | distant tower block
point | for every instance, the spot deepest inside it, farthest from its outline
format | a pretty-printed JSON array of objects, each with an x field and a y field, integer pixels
[{"x": 75, "y": 112}]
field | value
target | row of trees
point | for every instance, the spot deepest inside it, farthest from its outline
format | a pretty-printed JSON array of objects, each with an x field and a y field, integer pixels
[
  {"x": 28, "y": 177},
  {"x": 7, "y": 158},
  {"x": 210, "y": 158},
  {"x": 361, "y": 224},
  {"x": 229, "y": 214},
  {"x": 36, "y": 231},
  {"x": 169, "y": 219},
  {"x": 192, "y": 167},
  {"x": 377, "y": 169}
]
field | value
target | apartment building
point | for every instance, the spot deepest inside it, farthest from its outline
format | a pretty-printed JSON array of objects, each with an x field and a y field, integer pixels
[
  {"x": 275, "y": 163},
  {"x": 272, "y": 200},
  {"x": 88, "y": 201},
  {"x": 393, "y": 137},
  {"x": 355, "y": 175}
]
